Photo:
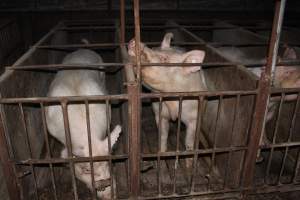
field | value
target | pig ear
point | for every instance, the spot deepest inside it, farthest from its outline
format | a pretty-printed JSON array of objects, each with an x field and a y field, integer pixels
[
  {"x": 114, "y": 135},
  {"x": 195, "y": 56},
  {"x": 166, "y": 43},
  {"x": 290, "y": 53}
]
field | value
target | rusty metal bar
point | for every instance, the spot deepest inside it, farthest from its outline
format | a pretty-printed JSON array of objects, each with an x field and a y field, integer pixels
[
  {"x": 236, "y": 112},
  {"x": 94, "y": 192},
  {"x": 261, "y": 103},
  {"x": 107, "y": 105},
  {"x": 6, "y": 163},
  {"x": 49, "y": 155},
  {"x": 177, "y": 143},
  {"x": 278, "y": 115},
  {"x": 159, "y": 147},
  {"x": 197, "y": 140},
  {"x": 134, "y": 138},
  {"x": 213, "y": 156},
  {"x": 122, "y": 20},
  {"x": 71, "y": 159},
  {"x": 28, "y": 144},
  {"x": 64, "y": 108},
  {"x": 290, "y": 136},
  {"x": 57, "y": 100}
]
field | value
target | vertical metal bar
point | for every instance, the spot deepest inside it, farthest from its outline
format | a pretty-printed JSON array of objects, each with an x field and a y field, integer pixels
[
  {"x": 176, "y": 164},
  {"x": 134, "y": 138},
  {"x": 262, "y": 99},
  {"x": 134, "y": 111},
  {"x": 274, "y": 137},
  {"x": 291, "y": 130},
  {"x": 159, "y": 147},
  {"x": 109, "y": 147},
  {"x": 122, "y": 20},
  {"x": 213, "y": 156},
  {"x": 236, "y": 112},
  {"x": 137, "y": 33},
  {"x": 48, "y": 149},
  {"x": 88, "y": 124},
  {"x": 27, "y": 141},
  {"x": 197, "y": 140},
  {"x": 7, "y": 165},
  {"x": 69, "y": 146}
]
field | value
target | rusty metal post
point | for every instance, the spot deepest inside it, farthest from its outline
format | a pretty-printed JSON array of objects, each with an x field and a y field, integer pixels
[
  {"x": 7, "y": 166},
  {"x": 134, "y": 103},
  {"x": 122, "y": 22},
  {"x": 262, "y": 98}
]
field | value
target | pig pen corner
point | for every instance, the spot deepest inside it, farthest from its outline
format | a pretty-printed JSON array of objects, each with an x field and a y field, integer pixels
[{"x": 149, "y": 100}]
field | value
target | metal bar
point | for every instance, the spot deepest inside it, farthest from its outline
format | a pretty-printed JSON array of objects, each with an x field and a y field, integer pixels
[
  {"x": 261, "y": 104},
  {"x": 197, "y": 140},
  {"x": 236, "y": 112},
  {"x": 108, "y": 113},
  {"x": 48, "y": 149},
  {"x": 134, "y": 138},
  {"x": 7, "y": 166},
  {"x": 159, "y": 147},
  {"x": 57, "y": 100},
  {"x": 69, "y": 146},
  {"x": 122, "y": 20},
  {"x": 94, "y": 192},
  {"x": 274, "y": 138},
  {"x": 177, "y": 143},
  {"x": 28, "y": 144},
  {"x": 71, "y": 159},
  {"x": 213, "y": 156},
  {"x": 197, "y": 94},
  {"x": 296, "y": 171}
]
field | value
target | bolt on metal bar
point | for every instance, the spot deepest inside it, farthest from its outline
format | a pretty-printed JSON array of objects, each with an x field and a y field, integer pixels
[
  {"x": 87, "y": 114},
  {"x": 49, "y": 155},
  {"x": 28, "y": 144},
  {"x": 64, "y": 108},
  {"x": 197, "y": 140},
  {"x": 278, "y": 115}
]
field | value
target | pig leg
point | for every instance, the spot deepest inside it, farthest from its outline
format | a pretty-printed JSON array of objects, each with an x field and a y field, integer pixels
[
  {"x": 164, "y": 124},
  {"x": 190, "y": 140}
]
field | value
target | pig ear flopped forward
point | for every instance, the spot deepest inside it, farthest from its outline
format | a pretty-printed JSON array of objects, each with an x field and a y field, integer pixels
[{"x": 195, "y": 56}]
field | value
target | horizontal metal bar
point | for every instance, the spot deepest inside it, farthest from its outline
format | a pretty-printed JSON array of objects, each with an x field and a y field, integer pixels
[
  {"x": 220, "y": 194},
  {"x": 65, "y": 66},
  {"x": 278, "y": 145},
  {"x": 284, "y": 90},
  {"x": 198, "y": 93},
  {"x": 193, "y": 152},
  {"x": 62, "y": 99},
  {"x": 72, "y": 159}
]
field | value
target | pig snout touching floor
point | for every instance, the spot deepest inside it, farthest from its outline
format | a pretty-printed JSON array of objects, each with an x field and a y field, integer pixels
[
  {"x": 83, "y": 83},
  {"x": 172, "y": 79}
]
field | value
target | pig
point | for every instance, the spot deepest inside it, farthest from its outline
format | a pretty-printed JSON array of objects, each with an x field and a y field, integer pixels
[
  {"x": 172, "y": 79},
  {"x": 285, "y": 77},
  {"x": 82, "y": 83}
]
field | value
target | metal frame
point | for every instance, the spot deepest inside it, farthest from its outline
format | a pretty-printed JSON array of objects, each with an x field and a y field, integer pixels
[{"x": 134, "y": 96}]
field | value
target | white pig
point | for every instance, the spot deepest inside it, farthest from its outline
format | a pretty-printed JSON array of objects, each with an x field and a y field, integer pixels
[
  {"x": 173, "y": 79},
  {"x": 82, "y": 83}
]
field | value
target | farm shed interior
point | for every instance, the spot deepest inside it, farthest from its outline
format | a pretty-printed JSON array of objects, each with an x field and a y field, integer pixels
[{"x": 35, "y": 36}]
